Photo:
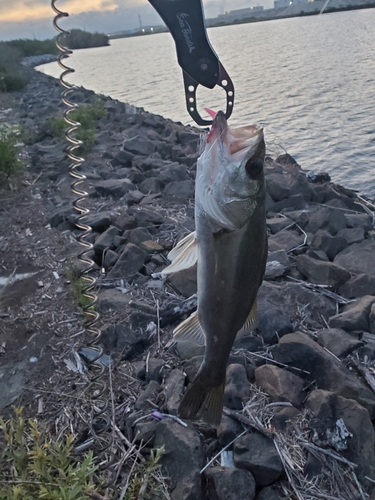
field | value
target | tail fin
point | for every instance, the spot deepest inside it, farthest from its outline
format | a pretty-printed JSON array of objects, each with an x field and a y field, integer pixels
[{"x": 201, "y": 397}]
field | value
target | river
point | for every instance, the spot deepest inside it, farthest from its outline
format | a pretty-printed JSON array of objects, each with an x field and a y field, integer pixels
[{"x": 310, "y": 81}]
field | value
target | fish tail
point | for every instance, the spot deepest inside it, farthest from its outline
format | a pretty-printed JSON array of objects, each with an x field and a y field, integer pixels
[{"x": 202, "y": 397}]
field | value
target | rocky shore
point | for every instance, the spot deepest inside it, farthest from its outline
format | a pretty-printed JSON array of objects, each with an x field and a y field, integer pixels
[{"x": 299, "y": 398}]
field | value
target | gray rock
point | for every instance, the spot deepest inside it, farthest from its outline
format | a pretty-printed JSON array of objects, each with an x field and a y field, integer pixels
[
  {"x": 140, "y": 145},
  {"x": 146, "y": 217},
  {"x": 326, "y": 218},
  {"x": 283, "y": 417},
  {"x": 317, "y": 254},
  {"x": 98, "y": 221},
  {"x": 135, "y": 176},
  {"x": 359, "y": 220},
  {"x": 123, "y": 158},
  {"x": 299, "y": 351},
  {"x": 140, "y": 320},
  {"x": 154, "y": 369},
  {"x": 182, "y": 459},
  {"x": 292, "y": 297},
  {"x": 145, "y": 432},
  {"x": 150, "y": 393},
  {"x": 285, "y": 240},
  {"x": 180, "y": 189},
  {"x": 331, "y": 245},
  {"x": 187, "y": 350},
  {"x": 282, "y": 185},
  {"x": 280, "y": 384},
  {"x": 151, "y": 186},
  {"x": 111, "y": 299},
  {"x": 122, "y": 337},
  {"x": 322, "y": 273},
  {"x": 358, "y": 258},
  {"x": 295, "y": 202},
  {"x": 229, "y": 483},
  {"x": 328, "y": 408},
  {"x": 129, "y": 262},
  {"x": 257, "y": 454},
  {"x": 110, "y": 259},
  {"x": 125, "y": 221},
  {"x": 174, "y": 389},
  {"x": 192, "y": 366},
  {"x": 228, "y": 430},
  {"x": 371, "y": 319},
  {"x": 269, "y": 493},
  {"x": 105, "y": 240},
  {"x": 355, "y": 315},
  {"x": 137, "y": 235},
  {"x": 185, "y": 281},
  {"x": 60, "y": 215},
  {"x": 337, "y": 341},
  {"x": 237, "y": 387},
  {"x": 352, "y": 235},
  {"x": 273, "y": 323},
  {"x": 133, "y": 198},
  {"x": 358, "y": 286},
  {"x": 276, "y": 224},
  {"x": 172, "y": 172},
  {"x": 151, "y": 246},
  {"x": 114, "y": 187}
]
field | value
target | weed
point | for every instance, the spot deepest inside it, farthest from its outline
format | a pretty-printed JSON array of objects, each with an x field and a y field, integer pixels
[
  {"x": 9, "y": 162},
  {"x": 78, "y": 284},
  {"x": 35, "y": 466}
]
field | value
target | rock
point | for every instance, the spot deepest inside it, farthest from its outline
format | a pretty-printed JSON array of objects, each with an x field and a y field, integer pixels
[
  {"x": 98, "y": 221},
  {"x": 358, "y": 258},
  {"x": 123, "y": 338},
  {"x": 110, "y": 259},
  {"x": 295, "y": 202},
  {"x": 151, "y": 246},
  {"x": 135, "y": 176},
  {"x": 180, "y": 189},
  {"x": 154, "y": 369},
  {"x": 229, "y": 483},
  {"x": 111, "y": 299},
  {"x": 359, "y": 220},
  {"x": 114, "y": 187},
  {"x": 145, "y": 432},
  {"x": 313, "y": 466},
  {"x": 371, "y": 319},
  {"x": 138, "y": 235},
  {"x": 59, "y": 216},
  {"x": 146, "y": 217},
  {"x": 150, "y": 393},
  {"x": 172, "y": 172},
  {"x": 105, "y": 240},
  {"x": 322, "y": 273},
  {"x": 249, "y": 342},
  {"x": 299, "y": 351},
  {"x": 280, "y": 384},
  {"x": 257, "y": 454},
  {"x": 182, "y": 459},
  {"x": 140, "y": 320},
  {"x": 326, "y": 218},
  {"x": 228, "y": 430},
  {"x": 151, "y": 186},
  {"x": 272, "y": 322},
  {"x": 355, "y": 315},
  {"x": 317, "y": 254},
  {"x": 133, "y": 197},
  {"x": 269, "y": 493},
  {"x": 358, "y": 286},
  {"x": 185, "y": 281},
  {"x": 187, "y": 350},
  {"x": 283, "y": 417},
  {"x": 174, "y": 389},
  {"x": 125, "y": 221},
  {"x": 352, "y": 235},
  {"x": 337, "y": 341},
  {"x": 331, "y": 245},
  {"x": 276, "y": 224},
  {"x": 285, "y": 240},
  {"x": 291, "y": 297},
  {"x": 140, "y": 145},
  {"x": 328, "y": 408},
  {"x": 122, "y": 158},
  {"x": 281, "y": 186},
  {"x": 129, "y": 262},
  {"x": 237, "y": 387}
]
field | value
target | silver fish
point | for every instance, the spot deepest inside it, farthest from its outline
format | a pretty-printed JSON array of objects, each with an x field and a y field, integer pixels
[{"x": 230, "y": 246}]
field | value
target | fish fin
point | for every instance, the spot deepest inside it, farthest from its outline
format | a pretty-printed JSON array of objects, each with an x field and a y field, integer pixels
[
  {"x": 183, "y": 256},
  {"x": 190, "y": 329},
  {"x": 251, "y": 320},
  {"x": 200, "y": 397}
]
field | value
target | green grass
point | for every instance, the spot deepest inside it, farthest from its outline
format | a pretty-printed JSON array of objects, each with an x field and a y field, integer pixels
[
  {"x": 77, "y": 285},
  {"x": 9, "y": 162},
  {"x": 34, "y": 466}
]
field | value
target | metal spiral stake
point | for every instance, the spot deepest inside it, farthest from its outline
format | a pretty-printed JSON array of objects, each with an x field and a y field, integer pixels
[{"x": 100, "y": 421}]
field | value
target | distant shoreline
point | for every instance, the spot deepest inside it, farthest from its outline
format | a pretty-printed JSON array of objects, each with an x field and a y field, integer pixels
[{"x": 329, "y": 10}]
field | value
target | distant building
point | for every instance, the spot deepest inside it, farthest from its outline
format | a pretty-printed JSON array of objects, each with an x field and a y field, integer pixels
[
  {"x": 281, "y": 4},
  {"x": 232, "y": 15}
]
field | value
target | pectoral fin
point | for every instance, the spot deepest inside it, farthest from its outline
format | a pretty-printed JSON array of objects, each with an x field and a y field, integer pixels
[
  {"x": 183, "y": 256},
  {"x": 190, "y": 329},
  {"x": 251, "y": 321}
]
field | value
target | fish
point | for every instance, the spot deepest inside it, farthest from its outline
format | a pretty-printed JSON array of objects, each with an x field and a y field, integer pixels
[{"x": 229, "y": 245}]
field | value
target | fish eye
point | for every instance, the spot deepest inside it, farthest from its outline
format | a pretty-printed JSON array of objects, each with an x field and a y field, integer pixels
[{"x": 254, "y": 167}]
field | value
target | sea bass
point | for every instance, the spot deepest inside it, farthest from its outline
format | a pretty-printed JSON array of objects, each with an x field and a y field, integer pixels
[{"x": 230, "y": 246}]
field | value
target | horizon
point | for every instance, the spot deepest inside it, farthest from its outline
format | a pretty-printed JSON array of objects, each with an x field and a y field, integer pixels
[{"x": 32, "y": 19}]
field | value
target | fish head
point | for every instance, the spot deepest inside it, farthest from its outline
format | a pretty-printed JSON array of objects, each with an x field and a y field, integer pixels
[{"x": 230, "y": 179}]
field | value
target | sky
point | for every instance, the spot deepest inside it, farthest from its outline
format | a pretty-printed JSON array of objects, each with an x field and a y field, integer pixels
[{"x": 33, "y": 18}]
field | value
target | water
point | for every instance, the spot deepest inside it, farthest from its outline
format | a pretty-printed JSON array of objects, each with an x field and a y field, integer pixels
[{"x": 310, "y": 81}]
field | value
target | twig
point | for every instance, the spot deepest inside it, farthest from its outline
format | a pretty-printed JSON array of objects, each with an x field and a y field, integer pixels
[
  {"x": 278, "y": 363},
  {"x": 225, "y": 447},
  {"x": 245, "y": 420}
]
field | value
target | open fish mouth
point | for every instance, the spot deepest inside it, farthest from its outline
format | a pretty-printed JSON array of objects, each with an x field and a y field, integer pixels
[{"x": 236, "y": 139}]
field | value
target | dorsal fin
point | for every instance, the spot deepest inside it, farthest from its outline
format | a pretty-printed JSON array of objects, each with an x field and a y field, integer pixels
[
  {"x": 190, "y": 329},
  {"x": 183, "y": 256}
]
